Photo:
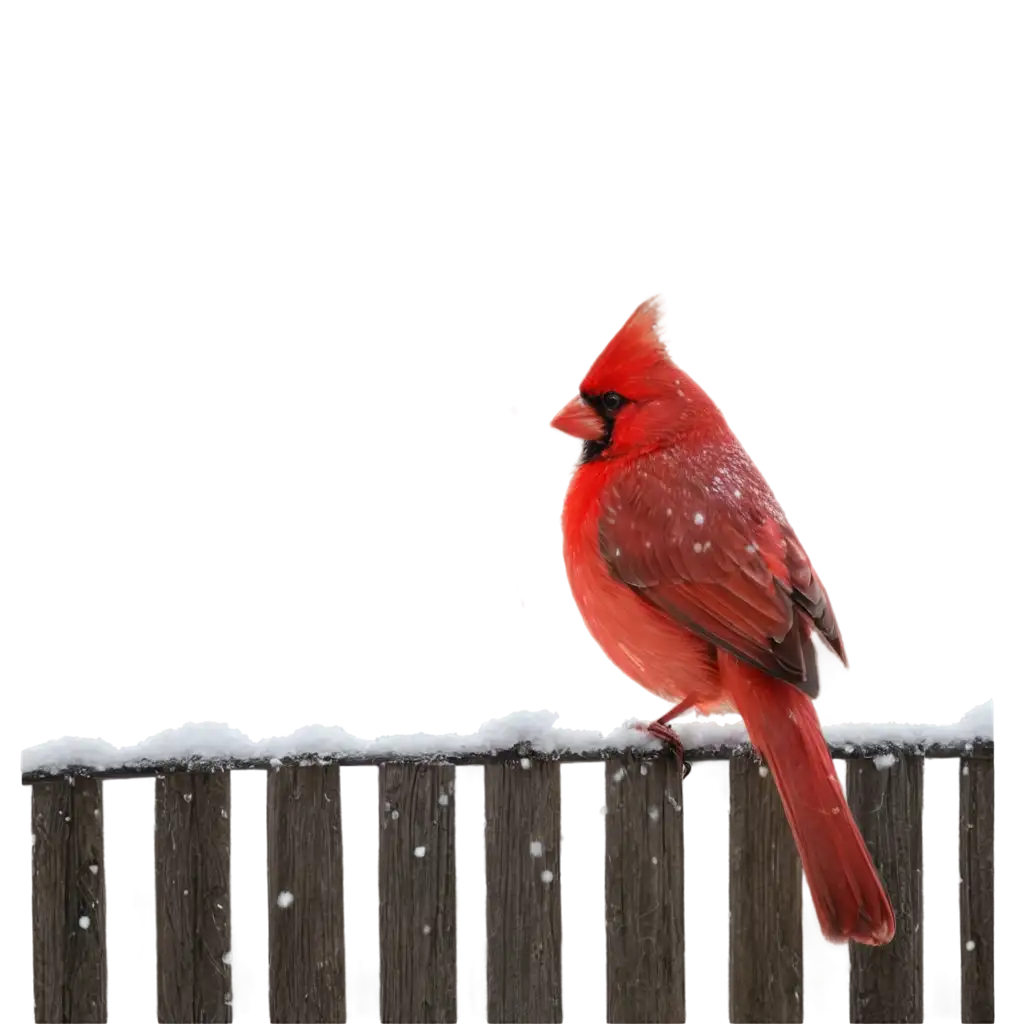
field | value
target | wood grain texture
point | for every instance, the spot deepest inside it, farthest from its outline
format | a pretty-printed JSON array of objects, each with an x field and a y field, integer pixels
[
  {"x": 304, "y": 895},
  {"x": 977, "y": 887},
  {"x": 765, "y": 901},
  {"x": 522, "y": 800},
  {"x": 643, "y": 880},
  {"x": 192, "y": 841},
  {"x": 69, "y": 952},
  {"x": 887, "y": 982},
  {"x": 1009, "y": 881},
  {"x": 417, "y": 893}
]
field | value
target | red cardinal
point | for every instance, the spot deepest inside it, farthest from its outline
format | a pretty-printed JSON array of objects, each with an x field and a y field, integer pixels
[{"x": 689, "y": 576}]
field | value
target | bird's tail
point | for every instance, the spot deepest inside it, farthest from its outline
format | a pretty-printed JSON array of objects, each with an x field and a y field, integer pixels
[{"x": 844, "y": 884}]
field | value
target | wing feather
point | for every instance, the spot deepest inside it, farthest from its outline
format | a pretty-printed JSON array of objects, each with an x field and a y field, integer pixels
[{"x": 720, "y": 560}]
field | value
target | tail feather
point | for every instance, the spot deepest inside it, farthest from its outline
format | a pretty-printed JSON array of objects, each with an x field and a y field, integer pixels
[{"x": 783, "y": 725}]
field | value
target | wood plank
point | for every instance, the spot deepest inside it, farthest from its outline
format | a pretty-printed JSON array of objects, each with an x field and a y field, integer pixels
[
  {"x": 192, "y": 840},
  {"x": 69, "y": 951},
  {"x": 522, "y": 800},
  {"x": 887, "y": 982},
  {"x": 1009, "y": 880},
  {"x": 304, "y": 895},
  {"x": 977, "y": 880},
  {"x": 765, "y": 901},
  {"x": 417, "y": 893},
  {"x": 643, "y": 882}
]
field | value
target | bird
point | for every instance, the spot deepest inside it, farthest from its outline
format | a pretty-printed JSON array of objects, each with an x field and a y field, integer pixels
[{"x": 692, "y": 581}]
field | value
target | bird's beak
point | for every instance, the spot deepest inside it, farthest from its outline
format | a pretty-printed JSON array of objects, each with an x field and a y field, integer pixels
[{"x": 579, "y": 420}]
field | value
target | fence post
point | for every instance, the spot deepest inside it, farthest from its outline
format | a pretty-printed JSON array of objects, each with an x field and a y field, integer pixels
[
  {"x": 977, "y": 878},
  {"x": 887, "y": 982},
  {"x": 192, "y": 842},
  {"x": 765, "y": 901},
  {"x": 417, "y": 893},
  {"x": 68, "y": 908},
  {"x": 643, "y": 879},
  {"x": 522, "y": 802},
  {"x": 304, "y": 895}
]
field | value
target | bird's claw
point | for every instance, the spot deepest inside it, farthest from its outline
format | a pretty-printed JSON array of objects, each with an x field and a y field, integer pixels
[{"x": 668, "y": 736}]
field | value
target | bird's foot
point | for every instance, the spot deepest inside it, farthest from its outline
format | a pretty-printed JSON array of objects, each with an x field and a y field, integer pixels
[{"x": 668, "y": 736}]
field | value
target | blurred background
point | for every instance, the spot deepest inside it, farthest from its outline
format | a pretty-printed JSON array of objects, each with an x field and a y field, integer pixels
[{"x": 290, "y": 296}]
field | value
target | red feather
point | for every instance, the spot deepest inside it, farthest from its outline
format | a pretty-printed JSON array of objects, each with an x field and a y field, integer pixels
[
  {"x": 702, "y": 538},
  {"x": 691, "y": 579}
]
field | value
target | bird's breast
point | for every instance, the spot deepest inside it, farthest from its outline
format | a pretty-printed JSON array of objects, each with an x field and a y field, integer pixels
[{"x": 641, "y": 640}]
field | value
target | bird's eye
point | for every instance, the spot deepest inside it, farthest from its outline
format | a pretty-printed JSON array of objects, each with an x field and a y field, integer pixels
[{"x": 612, "y": 401}]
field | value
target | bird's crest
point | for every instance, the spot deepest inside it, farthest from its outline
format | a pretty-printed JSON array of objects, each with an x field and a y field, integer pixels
[{"x": 642, "y": 346}]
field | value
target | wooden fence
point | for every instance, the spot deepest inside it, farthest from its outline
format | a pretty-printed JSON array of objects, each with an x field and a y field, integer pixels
[{"x": 644, "y": 861}]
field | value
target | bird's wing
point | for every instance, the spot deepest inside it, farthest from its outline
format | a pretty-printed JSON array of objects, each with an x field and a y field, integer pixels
[{"x": 718, "y": 557}]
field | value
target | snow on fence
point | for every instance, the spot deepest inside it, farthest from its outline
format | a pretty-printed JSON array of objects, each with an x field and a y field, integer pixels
[{"x": 644, "y": 860}]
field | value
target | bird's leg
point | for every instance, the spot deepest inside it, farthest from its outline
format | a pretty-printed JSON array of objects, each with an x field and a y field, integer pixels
[
  {"x": 680, "y": 708},
  {"x": 661, "y": 730},
  {"x": 671, "y": 739}
]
